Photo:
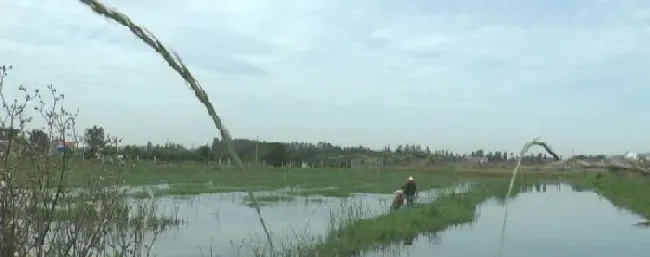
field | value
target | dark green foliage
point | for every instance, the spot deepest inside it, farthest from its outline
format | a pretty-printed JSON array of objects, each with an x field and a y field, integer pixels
[
  {"x": 277, "y": 154},
  {"x": 95, "y": 139},
  {"x": 39, "y": 140}
]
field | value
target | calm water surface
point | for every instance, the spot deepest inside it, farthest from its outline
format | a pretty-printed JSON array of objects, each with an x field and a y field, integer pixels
[
  {"x": 550, "y": 220},
  {"x": 223, "y": 221}
]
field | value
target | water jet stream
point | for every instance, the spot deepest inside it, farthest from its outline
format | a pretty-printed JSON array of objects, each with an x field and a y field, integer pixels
[{"x": 523, "y": 152}]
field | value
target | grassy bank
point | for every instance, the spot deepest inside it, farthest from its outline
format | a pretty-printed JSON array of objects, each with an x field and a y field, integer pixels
[
  {"x": 631, "y": 192},
  {"x": 358, "y": 235},
  {"x": 203, "y": 178},
  {"x": 352, "y": 234},
  {"x": 346, "y": 180}
]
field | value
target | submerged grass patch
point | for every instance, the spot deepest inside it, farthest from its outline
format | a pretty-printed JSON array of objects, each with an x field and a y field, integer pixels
[
  {"x": 89, "y": 212},
  {"x": 193, "y": 189},
  {"x": 350, "y": 233},
  {"x": 292, "y": 195},
  {"x": 346, "y": 180},
  {"x": 268, "y": 199},
  {"x": 327, "y": 192}
]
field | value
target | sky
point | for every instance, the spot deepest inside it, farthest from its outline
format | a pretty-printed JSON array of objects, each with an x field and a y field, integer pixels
[{"x": 458, "y": 75}]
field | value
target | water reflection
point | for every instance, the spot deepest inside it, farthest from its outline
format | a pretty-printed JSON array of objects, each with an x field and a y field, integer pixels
[
  {"x": 409, "y": 240},
  {"x": 224, "y": 224},
  {"x": 643, "y": 224},
  {"x": 549, "y": 219},
  {"x": 559, "y": 186}
]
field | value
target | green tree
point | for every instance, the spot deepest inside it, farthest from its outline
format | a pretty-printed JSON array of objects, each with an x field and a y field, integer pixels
[
  {"x": 39, "y": 140},
  {"x": 204, "y": 152},
  {"x": 94, "y": 137},
  {"x": 277, "y": 154}
]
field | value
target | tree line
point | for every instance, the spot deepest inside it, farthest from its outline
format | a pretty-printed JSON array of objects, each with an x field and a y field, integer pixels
[{"x": 279, "y": 153}]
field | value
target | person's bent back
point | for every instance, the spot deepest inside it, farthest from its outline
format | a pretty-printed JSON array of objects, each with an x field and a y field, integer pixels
[
  {"x": 398, "y": 200},
  {"x": 410, "y": 191}
]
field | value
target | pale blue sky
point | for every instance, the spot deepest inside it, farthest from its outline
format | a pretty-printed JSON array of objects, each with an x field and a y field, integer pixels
[{"x": 449, "y": 74}]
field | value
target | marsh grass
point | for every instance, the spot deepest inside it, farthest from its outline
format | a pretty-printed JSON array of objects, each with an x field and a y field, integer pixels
[
  {"x": 350, "y": 180},
  {"x": 70, "y": 212},
  {"x": 393, "y": 228},
  {"x": 629, "y": 191},
  {"x": 142, "y": 194},
  {"x": 269, "y": 199},
  {"x": 289, "y": 195},
  {"x": 193, "y": 189},
  {"x": 353, "y": 228},
  {"x": 303, "y": 183}
]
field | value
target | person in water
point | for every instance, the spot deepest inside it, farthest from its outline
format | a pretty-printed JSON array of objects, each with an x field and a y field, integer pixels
[
  {"x": 398, "y": 200},
  {"x": 410, "y": 192}
]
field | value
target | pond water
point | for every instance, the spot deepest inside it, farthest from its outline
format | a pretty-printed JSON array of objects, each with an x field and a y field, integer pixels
[
  {"x": 223, "y": 223},
  {"x": 548, "y": 220}
]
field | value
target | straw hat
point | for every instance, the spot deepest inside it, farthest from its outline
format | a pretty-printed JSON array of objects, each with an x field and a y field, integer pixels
[
  {"x": 410, "y": 178},
  {"x": 398, "y": 191}
]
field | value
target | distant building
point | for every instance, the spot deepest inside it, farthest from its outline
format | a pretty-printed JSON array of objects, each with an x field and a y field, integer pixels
[
  {"x": 6, "y": 135},
  {"x": 631, "y": 156},
  {"x": 59, "y": 145}
]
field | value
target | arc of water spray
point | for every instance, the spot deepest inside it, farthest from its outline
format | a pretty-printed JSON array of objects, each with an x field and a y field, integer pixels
[
  {"x": 175, "y": 63},
  {"x": 523, "y": 152}
]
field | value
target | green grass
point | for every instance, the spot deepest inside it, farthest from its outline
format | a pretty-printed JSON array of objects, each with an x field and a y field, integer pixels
[
  {"x": 270, "y": 198},
  {"x": 274, "y": 197},
  {"x": 328, "y": 192},
  {"x": 88, "y": 214},
  {"x": 345, "y": 180},
  {"x": 193, "y": 189},
  {"x": 264, "y": 198},
  {"x": 363, "y": 234},
  {"x": 632, "y": 193}
]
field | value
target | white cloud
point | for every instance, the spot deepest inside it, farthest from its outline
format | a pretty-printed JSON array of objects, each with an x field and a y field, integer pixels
[{"x": 460, "y": 75}]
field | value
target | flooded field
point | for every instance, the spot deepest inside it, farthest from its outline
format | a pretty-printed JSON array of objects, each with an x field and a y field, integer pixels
[
  {"x": 548, "y": 220},
  {"x": 545, "y": 220},
  {"x": 224, "y": 224}
]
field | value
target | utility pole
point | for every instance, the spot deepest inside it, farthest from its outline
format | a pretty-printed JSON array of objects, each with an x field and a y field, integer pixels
[{"x": 257, "y": 150}]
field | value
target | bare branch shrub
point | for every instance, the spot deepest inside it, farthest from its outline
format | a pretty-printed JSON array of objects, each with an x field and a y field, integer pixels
[{"x": 54, "y": 203}]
